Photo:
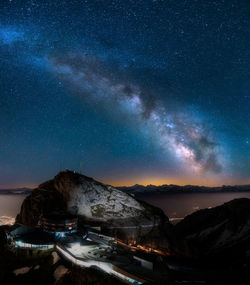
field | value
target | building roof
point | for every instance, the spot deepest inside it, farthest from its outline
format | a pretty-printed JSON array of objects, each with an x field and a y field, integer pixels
[{"x": 32, "y": 235}]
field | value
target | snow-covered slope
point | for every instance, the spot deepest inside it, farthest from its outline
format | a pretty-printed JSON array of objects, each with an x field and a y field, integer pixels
[{"x": 94, "y": 200}]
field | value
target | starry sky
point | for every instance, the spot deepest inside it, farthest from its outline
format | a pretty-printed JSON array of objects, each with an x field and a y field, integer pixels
[{"x": 145, "y": 91}]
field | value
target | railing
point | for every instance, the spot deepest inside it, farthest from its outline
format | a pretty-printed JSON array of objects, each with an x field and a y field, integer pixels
[{"x": 20, "y": 244}]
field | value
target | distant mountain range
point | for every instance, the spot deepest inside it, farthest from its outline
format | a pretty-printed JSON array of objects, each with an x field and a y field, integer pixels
[
  {"x": 141, "y": 189},
  {"x": 165, "y": 188},
  {"x": 16, "y": 191}
]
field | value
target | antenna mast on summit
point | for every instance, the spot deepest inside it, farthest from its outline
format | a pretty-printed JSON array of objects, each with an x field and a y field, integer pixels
[{"x": 81, "y": 170}]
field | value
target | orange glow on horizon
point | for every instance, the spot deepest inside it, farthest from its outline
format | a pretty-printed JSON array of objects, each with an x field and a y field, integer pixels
[
  {"x": 191, "y": 180},
  {"x": 153, "y": 180}
]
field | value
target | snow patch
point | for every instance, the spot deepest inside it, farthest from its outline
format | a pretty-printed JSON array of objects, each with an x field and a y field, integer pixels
[
  {"x": 97, "y": 201},
  {"x": 226, "y": 234}
]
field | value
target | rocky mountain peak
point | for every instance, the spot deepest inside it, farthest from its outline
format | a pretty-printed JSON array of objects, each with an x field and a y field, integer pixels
[{"x": 83, "y": 196}]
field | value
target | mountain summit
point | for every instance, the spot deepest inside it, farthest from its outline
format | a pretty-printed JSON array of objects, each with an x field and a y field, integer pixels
[{"x": 92, "y": 202}]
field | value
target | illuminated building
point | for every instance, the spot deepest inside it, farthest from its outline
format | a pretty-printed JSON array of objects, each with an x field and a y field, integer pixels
[
  {"x": 29, "y": 241},
  {"x": 59, "y": 223},
  {"x": 60, "y": 233}
]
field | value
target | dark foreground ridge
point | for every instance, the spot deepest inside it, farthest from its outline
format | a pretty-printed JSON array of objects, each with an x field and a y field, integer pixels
[
  {"x": 210, "y": 246},
  {"x": 219, "y": 232}
]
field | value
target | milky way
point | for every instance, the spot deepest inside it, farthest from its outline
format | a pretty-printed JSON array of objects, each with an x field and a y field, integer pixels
[
  {"x": 91, "y": 78},
  {"x": 125, "y": 91}
]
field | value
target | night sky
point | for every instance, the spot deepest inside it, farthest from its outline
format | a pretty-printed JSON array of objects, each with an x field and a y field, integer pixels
[{"x": 125, "y": 91}]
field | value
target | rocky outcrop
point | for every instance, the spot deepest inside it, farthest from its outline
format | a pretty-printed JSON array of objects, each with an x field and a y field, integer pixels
[
  {"x": 223, "y": 231},
  {"x": 42, "y": 200}
]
